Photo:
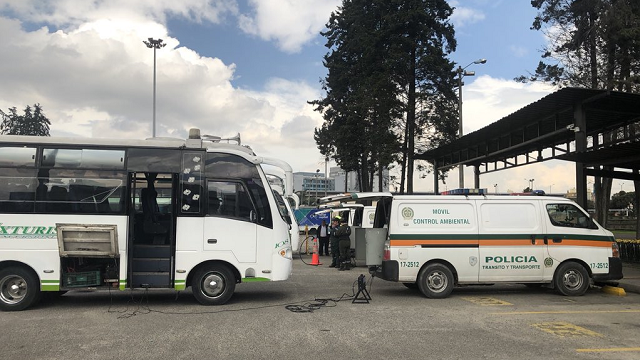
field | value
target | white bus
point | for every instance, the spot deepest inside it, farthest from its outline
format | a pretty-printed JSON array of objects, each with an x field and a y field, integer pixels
[
  {"x": 284, "y": 198},
  {"x": 127, "y": 214}
]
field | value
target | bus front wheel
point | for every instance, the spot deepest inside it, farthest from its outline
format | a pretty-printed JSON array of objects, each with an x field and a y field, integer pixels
[
  {"x": 572, "y": 279},
  {"x": 19, "y": 289},
  {"x": 213, "y": 285},
  {"x": 436, "y": 281}
]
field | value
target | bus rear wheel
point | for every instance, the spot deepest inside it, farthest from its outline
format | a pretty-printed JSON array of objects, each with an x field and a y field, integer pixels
[
  {"x": 572, "y": 279},
  {"x": 213, "y": 285},
  {"x": 436, "y": 281},
  {"x": 19, "y": 289}
]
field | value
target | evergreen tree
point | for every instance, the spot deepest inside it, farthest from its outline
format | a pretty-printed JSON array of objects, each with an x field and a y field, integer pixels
[
  {"x": 421, "y": 39},
  {"x": 32, "y": 122},
  {"x": 360, "y": 107},
  {"x": 389, "y": 85}
]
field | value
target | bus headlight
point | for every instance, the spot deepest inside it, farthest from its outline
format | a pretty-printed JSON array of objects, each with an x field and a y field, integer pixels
[{"x": 286, "y": 253}]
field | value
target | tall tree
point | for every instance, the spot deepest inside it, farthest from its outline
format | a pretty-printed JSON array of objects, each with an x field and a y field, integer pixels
[
  {"x": 593, "y": 44},
  {"x": 360, "y": 106},
  {"x": 421, "y": 40},
  {"x": 389, "y": 90},
  {"x": 32, "y": 122}
]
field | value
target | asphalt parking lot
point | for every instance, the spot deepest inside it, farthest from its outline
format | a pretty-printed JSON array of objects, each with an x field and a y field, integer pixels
[{"x": 496, "y": 322}]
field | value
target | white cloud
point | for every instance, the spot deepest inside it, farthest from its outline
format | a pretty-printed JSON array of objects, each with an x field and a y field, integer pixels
[
  {"x": 96, "y": 81},
  {"x": 487, "y": 99},
  {"x": 290, "y": 23},
  {"x": 464, "y": 15},
  {"x": 64, "y": 13}
]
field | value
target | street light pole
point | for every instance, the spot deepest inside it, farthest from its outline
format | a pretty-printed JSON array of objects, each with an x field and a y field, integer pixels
[
  {"x": 154, "y": 44},
  {"x": 316, "y": 177},
  {"x": 461, "y": 74},
  {"x": 326, "y": 179}
]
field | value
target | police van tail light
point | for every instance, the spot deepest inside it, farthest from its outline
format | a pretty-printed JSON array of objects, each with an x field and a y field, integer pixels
[
  {"x": 615, "y": 250},
  {"x": 386, "y": 254}
]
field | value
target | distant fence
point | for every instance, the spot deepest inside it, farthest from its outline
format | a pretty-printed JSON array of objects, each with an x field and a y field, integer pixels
[
  {"x": 619, "y": 223},
  {"x": 629, "y": 250}
]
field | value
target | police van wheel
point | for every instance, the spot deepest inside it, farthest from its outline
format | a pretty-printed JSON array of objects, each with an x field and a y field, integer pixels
[
  {"x": 436, "y": 281},
  {"x": 572, "y": 279},
  {"x": 213, "y": 285},
  {"x": 19, "y": 289}
]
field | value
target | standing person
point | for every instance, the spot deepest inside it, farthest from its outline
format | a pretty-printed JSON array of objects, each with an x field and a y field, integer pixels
[
  {"x": 335, "y": 253},
  {"x": 344, "y": 244},
  {"x": 323, "y": 237}
]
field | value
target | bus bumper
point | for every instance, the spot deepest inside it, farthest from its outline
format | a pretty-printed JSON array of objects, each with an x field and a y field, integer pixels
[
  {"x": 615, "y": 271},
  {"x": 388, "y": 271}
]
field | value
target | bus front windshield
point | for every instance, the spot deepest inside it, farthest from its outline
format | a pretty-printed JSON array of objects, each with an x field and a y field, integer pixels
[{"x": 282, "y": 207}]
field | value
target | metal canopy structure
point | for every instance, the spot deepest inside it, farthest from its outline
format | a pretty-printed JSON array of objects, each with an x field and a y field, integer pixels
[{"x": 596, "y": 129}]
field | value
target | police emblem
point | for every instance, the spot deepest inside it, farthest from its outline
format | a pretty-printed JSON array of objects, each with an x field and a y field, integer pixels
[
  {"x": 548, "y": 262},
  {"x": 407, "y": 213},
  {"x": 473, "y": 260}
]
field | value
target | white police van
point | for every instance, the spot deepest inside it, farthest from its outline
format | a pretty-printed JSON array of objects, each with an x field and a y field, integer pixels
[{"x": 436, "y": 242}]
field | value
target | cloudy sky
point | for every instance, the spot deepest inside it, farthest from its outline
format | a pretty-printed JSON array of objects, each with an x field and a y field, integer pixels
[{"x": 238, "y": 66}]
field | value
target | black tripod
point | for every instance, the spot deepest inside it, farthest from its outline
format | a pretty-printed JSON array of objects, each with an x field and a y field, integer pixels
[{"x": 362, "y": 290}]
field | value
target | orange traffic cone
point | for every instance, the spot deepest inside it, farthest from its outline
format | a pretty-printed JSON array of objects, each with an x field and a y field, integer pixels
[{"x": 315, "y": 259}]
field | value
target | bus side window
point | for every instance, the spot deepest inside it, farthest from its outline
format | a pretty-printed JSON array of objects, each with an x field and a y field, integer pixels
[
  {"x": 22, "y": 199},
  {"x": 229, "y": 199},
  {"x": 57, "y": 200}
]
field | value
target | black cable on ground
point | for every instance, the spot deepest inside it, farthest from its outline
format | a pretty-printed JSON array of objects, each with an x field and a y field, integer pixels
[
  {"x": 306, "y": 239},
  {"x": 142, "y": 306}
]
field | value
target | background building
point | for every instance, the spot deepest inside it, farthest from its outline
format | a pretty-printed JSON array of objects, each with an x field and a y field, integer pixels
[{"x": 314, "y": 184}]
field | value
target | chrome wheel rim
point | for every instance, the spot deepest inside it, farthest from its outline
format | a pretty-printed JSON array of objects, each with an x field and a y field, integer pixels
[
  {"x": 437, "y": 281},
  {"x": 572, "y": 279},
  {"x": 213, "y": 285},
  {"x": 13, "y": 289}
]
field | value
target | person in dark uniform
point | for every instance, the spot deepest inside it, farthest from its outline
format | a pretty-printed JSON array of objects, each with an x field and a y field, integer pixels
[
  {"x": 335, "y": 252},
  {"x": 344, "y": 245}
]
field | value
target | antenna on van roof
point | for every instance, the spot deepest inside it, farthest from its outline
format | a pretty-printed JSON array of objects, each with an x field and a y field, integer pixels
[{"x": 217, "y": 139}]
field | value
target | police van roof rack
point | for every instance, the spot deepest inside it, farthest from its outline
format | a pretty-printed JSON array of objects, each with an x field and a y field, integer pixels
[
  {"x": 530, "y": 193},
  {"x": 465, "y": 192}
]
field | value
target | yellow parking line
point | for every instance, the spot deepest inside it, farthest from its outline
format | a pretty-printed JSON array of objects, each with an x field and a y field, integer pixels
[
  {"x": 564, "y": 329},
  {"x": 609, "y": 350},
  {"x": 486, "y": 301},
  {"x": 566, "y": 312}
]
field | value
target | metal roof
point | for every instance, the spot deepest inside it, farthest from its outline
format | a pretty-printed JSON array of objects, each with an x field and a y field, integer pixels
[{"x": 549, "y": 124}]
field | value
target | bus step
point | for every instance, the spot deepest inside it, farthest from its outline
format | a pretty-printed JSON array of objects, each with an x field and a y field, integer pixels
[
  {"x": 151, "y": 251},
  {"x": 151, "y": 265},
  {"x": 151, "y": 280}
]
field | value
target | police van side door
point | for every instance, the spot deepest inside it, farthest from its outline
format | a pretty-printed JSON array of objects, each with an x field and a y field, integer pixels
[
  {"x": 511, "y": 240},
  {"x": 572, "y": 234}
]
